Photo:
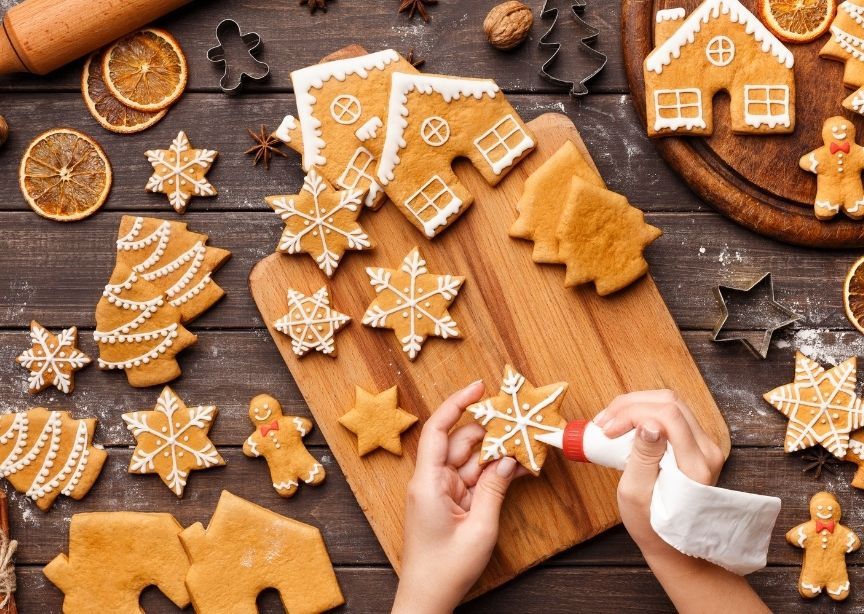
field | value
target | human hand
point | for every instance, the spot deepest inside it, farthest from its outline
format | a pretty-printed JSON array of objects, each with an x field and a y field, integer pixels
[{"x": 452, "y": 510}]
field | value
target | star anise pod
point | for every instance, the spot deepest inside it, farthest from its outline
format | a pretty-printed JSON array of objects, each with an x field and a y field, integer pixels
[
  {"x": 818, "y": 461},
  {"x": 265, "y": 146},
  {"x": 412, "y": 59},
  {"x": 416, "y": 6},
  {"x": 314, "y": 5}
]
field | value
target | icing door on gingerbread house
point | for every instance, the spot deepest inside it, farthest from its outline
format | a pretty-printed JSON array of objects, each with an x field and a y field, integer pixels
[
  {"x": 431, "y": 121},
  {"x": 720, "y": 46}
]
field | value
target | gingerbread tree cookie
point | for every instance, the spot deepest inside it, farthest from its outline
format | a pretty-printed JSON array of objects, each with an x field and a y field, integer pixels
[
  {"x": 47, "y": 454},
  {"x": 837, "y": 166},
  {"x": 179, "y": 172},
  {"x": 821, "y": 406},
  {"x": 413, "y": 302},
  {"x": 515, "y": 416},
  {"x": 321, "y": 222},
  {"x": 826, "y": 543},
  {"x": 378, "y": 421},
  {"x": 855, "y": 454},
  {"x": 279, "y": 439},
  {"x": 114, "y": 556},
  {"x": 246, "y": 549},
  {"x": 172, "y": 440},
  {"x": 53, "y": 359},
  {"x": 311, "y": 323},
  {"x": 845, "y": 45}
]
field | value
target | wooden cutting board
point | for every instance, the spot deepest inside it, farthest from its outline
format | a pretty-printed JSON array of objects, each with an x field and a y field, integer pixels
[
  {"x": 509, "y": 310},
  {"x": 753, "y": 180}
]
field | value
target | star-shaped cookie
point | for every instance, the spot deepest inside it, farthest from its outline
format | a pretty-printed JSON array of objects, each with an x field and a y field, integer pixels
[
  {"x": 311, "y": 322},
  {"x": 515, "y": 416},
  {"x": 321, "y": 222},
  {"x": 179, "y": 172},
  {"x": 378, "y": 421},
  {"x": 53, "y": 359},
  {"x": 413, "y": 302},
  {"x": 172, "y": 440},
  {"x": 821, "y": 406}
]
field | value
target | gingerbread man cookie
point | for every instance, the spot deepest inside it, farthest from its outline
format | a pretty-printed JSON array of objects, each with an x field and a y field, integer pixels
[
  {"x": 837, "y": 166},
  {"x": 279, "y": 439},
  {"x": 826, "y": 543}
]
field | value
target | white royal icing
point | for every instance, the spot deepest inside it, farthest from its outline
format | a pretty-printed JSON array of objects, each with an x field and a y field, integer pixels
[
  {"x": 849, "y": 43},
  {"x": 768, "y": 92},
  {"x": 369, "y": 130},
  {"x": 854, "y": 11},
  {"x": 842, "y": 588},
  {"x": 285, "y": 128},
  {"x": 670, "y": 14},
  {"x": 678, "y": 121}
]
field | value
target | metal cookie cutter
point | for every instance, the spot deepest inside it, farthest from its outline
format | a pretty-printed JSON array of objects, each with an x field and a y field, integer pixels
[
  {"x": 236, "y": 51},
  {"x": 561, "y": 30},
  {"x": 771, "y": 315}
]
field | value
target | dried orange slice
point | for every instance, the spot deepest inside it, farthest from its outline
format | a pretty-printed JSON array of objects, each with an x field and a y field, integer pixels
[
  {"x": 64, "y": 175},
  {"x": 798, "y": 21},
  {"x": 853, "y": 294},
  {"x": 145, "y": 70},
  {"x": 111, "y": 114}
]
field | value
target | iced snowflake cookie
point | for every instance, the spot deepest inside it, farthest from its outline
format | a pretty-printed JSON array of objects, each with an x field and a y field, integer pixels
[
  {"x": 826, "y": 543},
  {"x": 719, "y": 46},
  {"x": 413, "y": 302},
  {"x": 821, "y": 406},
  {"x": 837, "y": 164},
  {"x": 114, "y": 556},
  {"x": 47, "y": 454},
  {"x": 515, "y": 416},
  {"x": 279, "y": 439},
  {"x": 378, "y": 421},
  {"x": 321, "y": 222},
  {"x": 172, "y": 440},
  {"x": 53, "y": 359},
  {"x": 311, "y": 323},
  {"x": 179, "y": 172},
  {"x": 246, "y": 549}
]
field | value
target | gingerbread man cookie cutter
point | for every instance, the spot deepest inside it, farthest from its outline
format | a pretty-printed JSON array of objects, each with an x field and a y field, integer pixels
[{"x": 236, "y": 52}]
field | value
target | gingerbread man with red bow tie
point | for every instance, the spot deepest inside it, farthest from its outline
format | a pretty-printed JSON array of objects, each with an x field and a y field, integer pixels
[
  {"x": 826, "y": 543},
  {"x": 279, "y": 439},
  {"x": 837, "y": 166}
]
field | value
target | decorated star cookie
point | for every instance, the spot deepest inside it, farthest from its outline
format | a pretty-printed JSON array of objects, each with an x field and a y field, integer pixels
[
  {"x": 246, "y": 549},
  {"x": 279, "y": 439},
  {"x": 172, "y": 440},
  {"x": 114, "y": 556},
  {"x": 378, "y": 421},
  {"x": 53, "y": 359},
  {"x": 821, "y": 406},
  {"x": 837, "y": 165},
  {"x": 311, "y": 323},
  {"x": 47, "y": 454},
  {"x": 515, "y": 416},
  {"x": 321, "y": 222},
  {"x": 179, "y": 172},
  {"x": 413, "y": 302}
]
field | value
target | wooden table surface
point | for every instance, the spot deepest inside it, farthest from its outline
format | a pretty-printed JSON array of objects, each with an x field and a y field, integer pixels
[{"x": 55, "y": 273}]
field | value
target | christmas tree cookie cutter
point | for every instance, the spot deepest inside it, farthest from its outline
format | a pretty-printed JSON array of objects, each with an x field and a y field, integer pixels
[
  {"x": 577, "y": 87},
  {"x": 236, "y": 52}
]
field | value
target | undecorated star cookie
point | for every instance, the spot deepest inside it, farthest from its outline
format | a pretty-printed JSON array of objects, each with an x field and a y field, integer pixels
[
  {"x": 53, "y": 359},
  {"x": 114, "y": 556},
  {"x": 515, "y": 416},
  {"x": 311, "y": 323},
  {"x": 413, "y": 302},
  {"x": 378, "y": 421},
  {"x": 279, "y": 439},
  {"x": 246, "y": 549},
  {"x": 172, "y": 440},
  {"x": 179, "y": 172}
]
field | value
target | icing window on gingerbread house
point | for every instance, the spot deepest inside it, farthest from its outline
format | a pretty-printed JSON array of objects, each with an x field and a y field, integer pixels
[
  {"x": 433, "y": 204},
  {"x": 356, "y": 169},
  {"x": 435, "y": 131},
  {"x": 720, "y": 50},
  {"x": 503, "y": 143},
  {"x": 676, "y": 109},
  {"x": 345, "y": 109},
  {"x": 766, "y": 104}
]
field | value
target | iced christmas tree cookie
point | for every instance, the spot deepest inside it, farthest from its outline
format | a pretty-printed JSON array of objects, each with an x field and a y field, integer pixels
[
  {"x": 378, "y": 421},
  {"x": 311, "y": 323},
  {"x": 179, "y": 172},
  {"x": 53, "y": 359},
  {"x": 845, "y": 45}
]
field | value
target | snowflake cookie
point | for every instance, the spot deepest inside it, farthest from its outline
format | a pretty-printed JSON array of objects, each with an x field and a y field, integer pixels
[
  {"x": 311, "y": 323},
  {"x": 172, "y": 440},
  {"x": 179, "y": 172},
  {"x": 515, "y": 416},
  {"x": 821, "y": 406},
  {"x": 413, "y": 302},
  {"x": 53, "y": 359},
  {"x": 321, "y": 222},
  {"x": 378, "y": 421}
]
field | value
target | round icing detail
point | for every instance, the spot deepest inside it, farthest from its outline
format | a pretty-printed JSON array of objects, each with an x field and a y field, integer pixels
[
  {"x": 345, "y": 109},
  {"x": 435, "y": 131},
  {"x": 720, "y": 50}
]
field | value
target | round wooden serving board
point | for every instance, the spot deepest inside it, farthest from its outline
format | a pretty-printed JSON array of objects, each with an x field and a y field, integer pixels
[{"x": 753, "y": 180}]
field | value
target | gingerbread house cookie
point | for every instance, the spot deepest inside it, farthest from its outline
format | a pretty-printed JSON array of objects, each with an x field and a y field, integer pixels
[{"x": 720, "y": 46}]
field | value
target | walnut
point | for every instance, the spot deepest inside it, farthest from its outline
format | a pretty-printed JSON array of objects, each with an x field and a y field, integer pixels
[
  {"x": 4, "y": 130},
  {"x": 508, "y": 24}
]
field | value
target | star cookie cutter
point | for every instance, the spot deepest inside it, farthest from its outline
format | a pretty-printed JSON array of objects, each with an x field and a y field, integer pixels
[
  {"x": 577, "y": 86},
  {"x": 229, "y": 36},
  {"x": 768, "y": 325}
]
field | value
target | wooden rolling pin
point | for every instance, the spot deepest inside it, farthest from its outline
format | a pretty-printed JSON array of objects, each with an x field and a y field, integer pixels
[{"x": 40, "y": 35}]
